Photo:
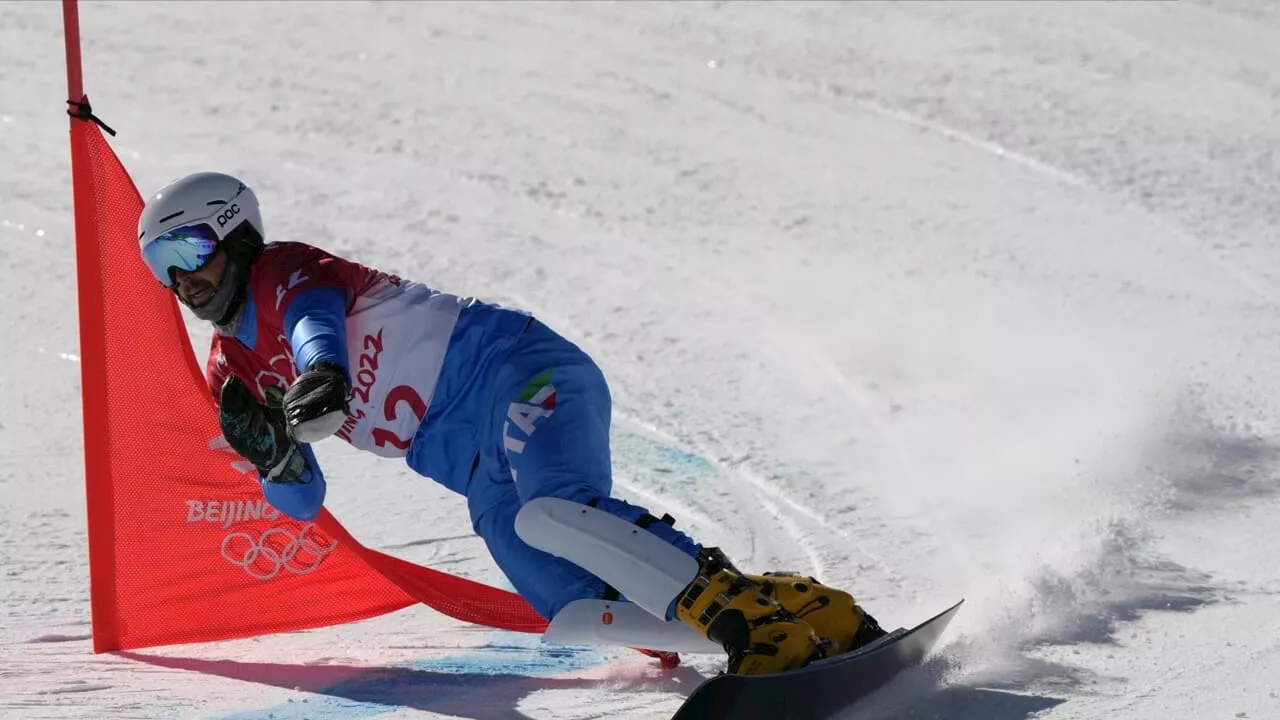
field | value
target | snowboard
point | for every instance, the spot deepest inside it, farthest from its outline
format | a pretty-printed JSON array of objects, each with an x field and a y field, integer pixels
[{"x": 818, "y": 690}]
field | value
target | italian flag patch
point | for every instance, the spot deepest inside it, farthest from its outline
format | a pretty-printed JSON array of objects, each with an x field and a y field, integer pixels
[{"x": 540, "y": 392}]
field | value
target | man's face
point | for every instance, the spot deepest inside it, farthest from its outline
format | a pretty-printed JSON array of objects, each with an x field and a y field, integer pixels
[{"x": 197, "y": 288}]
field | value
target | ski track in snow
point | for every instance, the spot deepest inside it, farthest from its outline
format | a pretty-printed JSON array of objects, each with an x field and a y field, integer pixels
[
  {"x": 927, "y": 300},
  {"x": 1231, "y": 270}
]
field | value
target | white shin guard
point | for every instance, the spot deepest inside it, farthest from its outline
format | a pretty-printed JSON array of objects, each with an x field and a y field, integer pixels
[{"x": 645, "y": 569}]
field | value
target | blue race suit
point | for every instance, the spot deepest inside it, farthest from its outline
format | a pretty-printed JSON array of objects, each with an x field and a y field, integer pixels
[{"x": 518, "y": 412}]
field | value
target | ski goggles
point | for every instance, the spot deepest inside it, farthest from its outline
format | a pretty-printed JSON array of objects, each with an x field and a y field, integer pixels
[{"x": 184, "y": 248}]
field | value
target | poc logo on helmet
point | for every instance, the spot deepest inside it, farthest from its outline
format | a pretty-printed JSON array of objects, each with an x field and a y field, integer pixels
[{"x": 226, "y": 215}]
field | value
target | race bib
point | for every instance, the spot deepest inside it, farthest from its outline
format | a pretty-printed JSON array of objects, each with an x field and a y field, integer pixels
[{"x": 397, "y": 336}]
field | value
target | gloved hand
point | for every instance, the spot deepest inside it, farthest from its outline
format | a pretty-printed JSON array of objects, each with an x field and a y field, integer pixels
[
  {"x": 257, "y": 432},
  {"x": 315, "y": 405}
]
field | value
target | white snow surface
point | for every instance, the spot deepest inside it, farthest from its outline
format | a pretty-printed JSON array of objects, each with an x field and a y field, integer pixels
[{"x": 930, "y": 300}]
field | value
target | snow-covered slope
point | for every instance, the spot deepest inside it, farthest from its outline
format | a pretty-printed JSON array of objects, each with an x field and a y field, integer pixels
[{"x": 928, "y": 299}]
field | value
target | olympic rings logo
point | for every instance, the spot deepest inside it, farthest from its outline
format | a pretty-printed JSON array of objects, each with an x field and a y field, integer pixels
[{"x": 278, "y": 549}]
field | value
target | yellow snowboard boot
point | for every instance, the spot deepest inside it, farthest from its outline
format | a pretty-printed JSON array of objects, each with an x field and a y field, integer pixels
[
  {"x": 832, "y": 613},
  {"x": 759, "y": 635}
]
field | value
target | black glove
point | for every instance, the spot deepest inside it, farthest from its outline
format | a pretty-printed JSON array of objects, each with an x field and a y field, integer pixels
[
  {"x": 315, "y": 405},
  {"x": 257, "y": 432}
]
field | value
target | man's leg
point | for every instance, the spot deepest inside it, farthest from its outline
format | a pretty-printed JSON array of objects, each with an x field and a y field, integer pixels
[
  {"x": 546, "y": 581},
  {"x": 556, "y": 412},
  {"x": 555, "y": 438},
  {"x": 549, "y": 437}
]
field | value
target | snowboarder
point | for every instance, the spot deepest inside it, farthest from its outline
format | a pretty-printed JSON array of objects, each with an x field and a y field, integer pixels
[{"x": 486, "y": 400}]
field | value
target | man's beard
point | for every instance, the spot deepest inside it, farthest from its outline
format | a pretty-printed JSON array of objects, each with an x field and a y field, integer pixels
[{"x": 223, "y": 308}]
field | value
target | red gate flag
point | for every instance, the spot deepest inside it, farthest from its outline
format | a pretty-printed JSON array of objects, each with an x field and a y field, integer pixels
[{"x": 182, "y": 547}]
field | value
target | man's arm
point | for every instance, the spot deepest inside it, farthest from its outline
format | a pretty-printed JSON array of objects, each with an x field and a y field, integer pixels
[
  {"x": 288, "y": 472},
  {"x": 315, "y": 405},
  {"x": 300, "y": 500}
]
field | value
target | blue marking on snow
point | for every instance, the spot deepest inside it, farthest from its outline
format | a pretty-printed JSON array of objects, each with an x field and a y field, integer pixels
[
  {"x": 643, "y": 453},
  {"x": 328, "y": 708},
  {"x": 515, "y": 654},
  {"x": 680, "y": 457},
  {"x": 433, "y": 682}
]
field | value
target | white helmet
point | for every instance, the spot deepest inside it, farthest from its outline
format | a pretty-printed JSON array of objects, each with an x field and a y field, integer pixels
[{"x": 186, "y": 221}]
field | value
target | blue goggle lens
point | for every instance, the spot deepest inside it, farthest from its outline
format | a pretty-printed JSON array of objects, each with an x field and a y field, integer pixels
[{"x": 186, "y": 248}]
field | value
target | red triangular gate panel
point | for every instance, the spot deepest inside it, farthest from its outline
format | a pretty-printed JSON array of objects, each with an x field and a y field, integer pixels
[{"x": 181, "y": 546}]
